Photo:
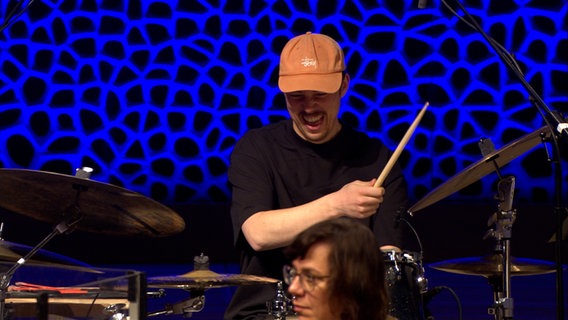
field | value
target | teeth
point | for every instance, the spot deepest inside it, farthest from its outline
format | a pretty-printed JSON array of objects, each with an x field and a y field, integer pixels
[{"x": 312, "y": 119}]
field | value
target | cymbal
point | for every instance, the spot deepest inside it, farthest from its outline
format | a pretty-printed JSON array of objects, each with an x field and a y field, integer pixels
[
  {"x": 492, "y": 265},
  {"x": 11, "y": 252},
  {"x": 483, "y": 167},
  {"x": 204, "y": 279},
  {"x": 104, "y": 208}
]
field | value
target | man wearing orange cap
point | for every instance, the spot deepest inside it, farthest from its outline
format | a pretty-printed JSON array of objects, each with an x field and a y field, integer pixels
[{"x": 290, "y": 175}]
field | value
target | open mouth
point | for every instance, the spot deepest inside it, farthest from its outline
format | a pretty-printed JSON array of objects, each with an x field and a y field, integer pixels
[{"x": 313, "y": 122}]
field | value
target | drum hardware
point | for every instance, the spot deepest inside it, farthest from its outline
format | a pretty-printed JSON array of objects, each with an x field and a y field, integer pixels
[
  {"x": 555, "y": 121},
  {"x": 116, "y": 311},
  {"x": 196, "y": 302},
  {"x": 412, "y": 257},
  {"x": 405, "y": 277},
  {"x": 281, "y": 305},
  {"x": 196, "y": 282},
  {"x": 499, "y": 267},
  {"x": 504, "y": 218},
  {"x": 79, "y": 203},
  {"x": 406, "y": 283},
  {"x": 421, "y": 280},
  {"x": 156, "y": 294},
  {"x": 6, "y": 277},
  {"x": 64, "y": 225},
  {"x": 186, "y": 307}
]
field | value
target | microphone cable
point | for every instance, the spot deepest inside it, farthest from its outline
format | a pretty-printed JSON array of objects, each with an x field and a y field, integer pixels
[
  {"x": 428, "y": 295},
  {"x": 435, "y": 291}
]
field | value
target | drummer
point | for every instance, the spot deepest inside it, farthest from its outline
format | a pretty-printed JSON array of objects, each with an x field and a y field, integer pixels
[
  {"x": 328, "y": 277},
  {"x": 290, "y": 175}
]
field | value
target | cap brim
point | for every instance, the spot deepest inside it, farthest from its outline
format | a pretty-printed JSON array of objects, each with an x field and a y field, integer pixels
[{"x": 328, "y": 83}]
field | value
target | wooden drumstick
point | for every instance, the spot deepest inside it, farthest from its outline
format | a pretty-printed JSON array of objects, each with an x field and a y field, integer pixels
[{"x": 400, "y": 147}]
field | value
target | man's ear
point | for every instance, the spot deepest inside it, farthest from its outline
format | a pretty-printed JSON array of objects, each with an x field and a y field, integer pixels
[{"x": 345, "y": 84}]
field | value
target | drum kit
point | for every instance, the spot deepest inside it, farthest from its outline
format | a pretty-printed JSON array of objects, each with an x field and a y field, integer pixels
[{"x": 77, "y": 202}]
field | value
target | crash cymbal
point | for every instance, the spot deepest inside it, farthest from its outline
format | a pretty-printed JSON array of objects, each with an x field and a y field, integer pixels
[
  {"x": 11, "y": 252},
  {"x": 492, "y": 265},
  {"x": 204, "y": 279},
  {"x": 483, "y": 167},
  {"x": 104, "y": 208}
]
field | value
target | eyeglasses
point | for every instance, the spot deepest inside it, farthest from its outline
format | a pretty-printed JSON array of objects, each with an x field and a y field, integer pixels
[{"x": 307, "y": 281}]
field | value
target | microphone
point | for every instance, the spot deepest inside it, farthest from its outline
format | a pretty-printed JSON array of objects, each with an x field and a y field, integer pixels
[
  {"x": 399, "y": 216},
  {"x": 422, "y": 4}
]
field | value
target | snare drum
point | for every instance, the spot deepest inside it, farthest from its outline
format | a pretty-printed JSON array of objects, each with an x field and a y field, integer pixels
[{"x": 405, "y": 282}]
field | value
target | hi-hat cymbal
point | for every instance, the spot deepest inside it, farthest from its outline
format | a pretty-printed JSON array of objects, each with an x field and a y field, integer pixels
[
  {"x": 492, "y": 265},
  {"x": 104, "y": 208},
  {"x": 483, "y": 167},
  {"x": 204, "y": 279},
  {"x": 11, "y": 252}
]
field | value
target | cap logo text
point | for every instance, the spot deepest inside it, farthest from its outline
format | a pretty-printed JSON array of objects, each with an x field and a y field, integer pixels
[{"x": 308, "y": 62}]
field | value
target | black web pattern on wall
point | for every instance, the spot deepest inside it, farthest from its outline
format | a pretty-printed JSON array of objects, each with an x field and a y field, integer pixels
[{"x": 154, "y": 94}]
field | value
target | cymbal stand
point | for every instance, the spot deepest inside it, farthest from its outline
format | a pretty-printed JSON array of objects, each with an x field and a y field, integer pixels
[
  {"x": 6, "y": 277},
  {"x": 195, "y": 303},
  {"x": 559, "y": 126},
  {"x": 196, "y": 300},
  {"x": 281, "y": 305},
  {"x": 503, "y": 220},
  {"x": 70, "y": 219}
]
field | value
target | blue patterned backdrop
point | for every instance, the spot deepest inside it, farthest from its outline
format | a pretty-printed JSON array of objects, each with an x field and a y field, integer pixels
[{"x": 154, "y": 94}]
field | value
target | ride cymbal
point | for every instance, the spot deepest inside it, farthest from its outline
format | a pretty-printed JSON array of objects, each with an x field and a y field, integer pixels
[
  {"x": 101, "y": 208},
  {"x": 492, "y": 265},
  {"x": 204, "y": 279},
  {"x": 483, "y": 167}
]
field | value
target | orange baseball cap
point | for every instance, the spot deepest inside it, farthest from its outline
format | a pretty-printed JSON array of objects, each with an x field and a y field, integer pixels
[{"x": 311, "y": 61}]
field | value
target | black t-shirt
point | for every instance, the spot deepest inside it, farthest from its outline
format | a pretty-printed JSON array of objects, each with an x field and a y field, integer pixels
[{"x": 273, "y": 168}]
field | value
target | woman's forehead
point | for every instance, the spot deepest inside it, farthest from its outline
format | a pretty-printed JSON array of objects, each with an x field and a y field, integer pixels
[{"x": 316, "y": 258}]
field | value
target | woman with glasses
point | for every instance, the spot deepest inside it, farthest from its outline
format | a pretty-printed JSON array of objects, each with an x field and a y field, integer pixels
[{"x": 336, "y": 272}]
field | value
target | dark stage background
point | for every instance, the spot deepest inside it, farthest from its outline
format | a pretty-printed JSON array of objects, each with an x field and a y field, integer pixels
[{"x": 154, "y": 94}]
